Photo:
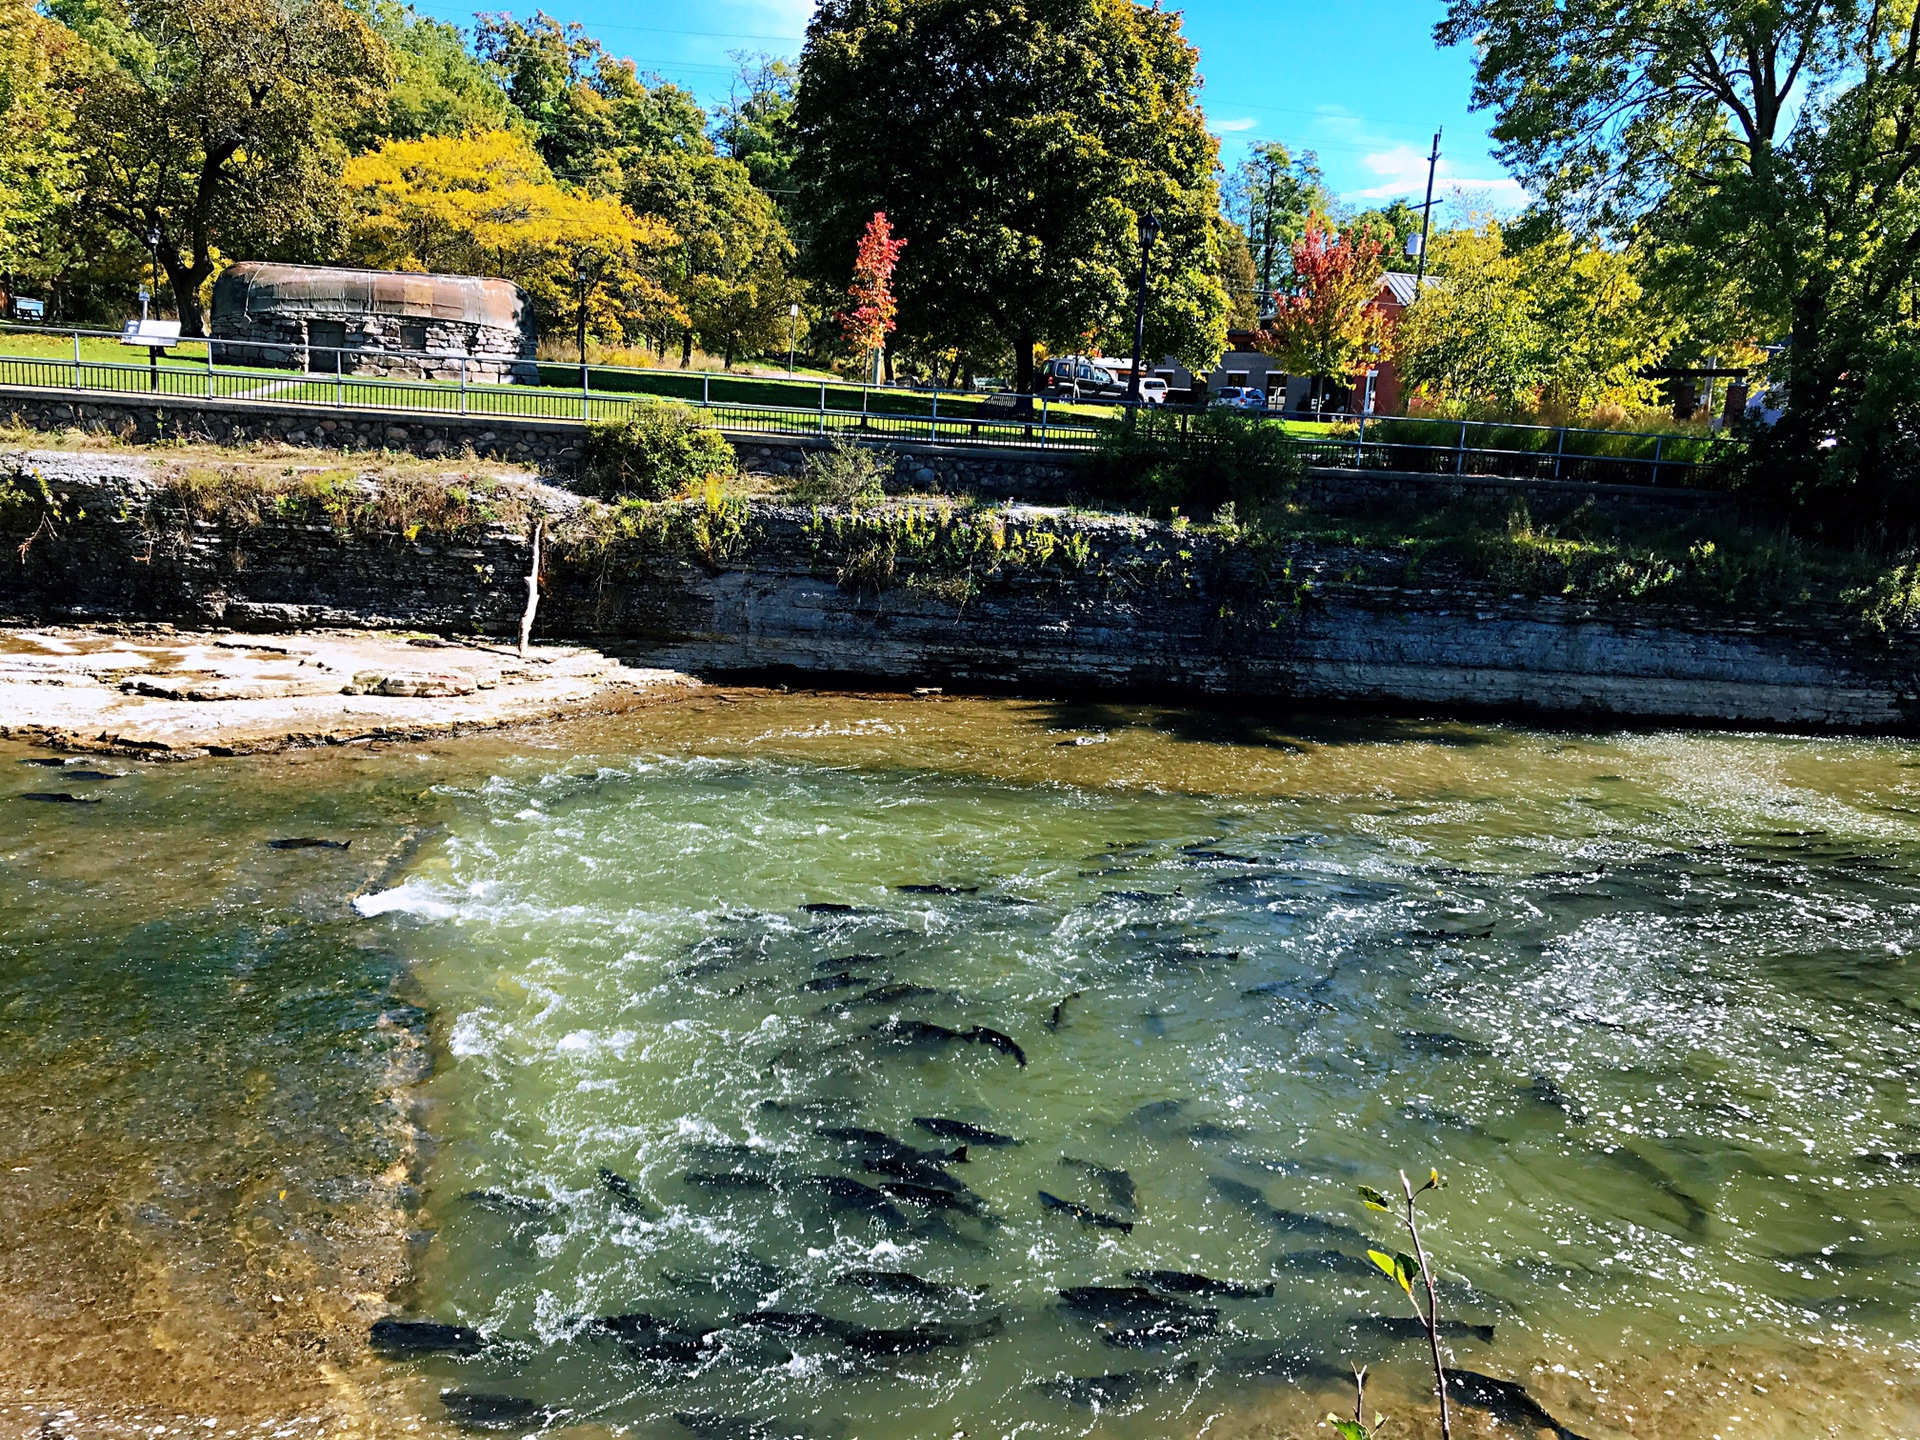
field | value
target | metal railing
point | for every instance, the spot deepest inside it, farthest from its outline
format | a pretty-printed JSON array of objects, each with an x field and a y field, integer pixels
[{"x": 359, "y": 379}]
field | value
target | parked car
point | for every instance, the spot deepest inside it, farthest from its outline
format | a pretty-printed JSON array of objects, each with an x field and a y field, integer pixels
[
  {"x": 1153, "y": 390},
  {"x": 1075, "y": 377},
  {"x": 1238, "y": 397}
]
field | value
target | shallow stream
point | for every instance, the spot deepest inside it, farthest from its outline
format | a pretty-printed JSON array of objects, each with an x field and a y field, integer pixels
[{"x": 1643, "y": 999}]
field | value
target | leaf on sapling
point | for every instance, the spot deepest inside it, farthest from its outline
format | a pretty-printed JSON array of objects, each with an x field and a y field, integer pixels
[
  {"x": 1348, "y": 1429},
  {"x": 1397, "y": 1268},
  {"x": 1374, "y": 1199},
  {"x": 1433, "y": 1180}
]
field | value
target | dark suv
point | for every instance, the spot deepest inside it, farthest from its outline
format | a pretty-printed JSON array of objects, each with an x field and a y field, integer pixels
[{"x": 1076, "y": 377}]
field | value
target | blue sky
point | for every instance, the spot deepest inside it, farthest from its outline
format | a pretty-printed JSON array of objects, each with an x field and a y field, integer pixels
[{"x": 1361, "y": 84}]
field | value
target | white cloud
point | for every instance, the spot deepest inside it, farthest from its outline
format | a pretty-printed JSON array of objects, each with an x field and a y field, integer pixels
[
  {"x": 1232, "y": 125},
  {"x": 1403, "y": 172}
]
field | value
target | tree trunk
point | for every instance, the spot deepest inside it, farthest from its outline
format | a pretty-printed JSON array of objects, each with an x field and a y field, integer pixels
[
  {"x": 727, "y": 359},
  {"x": 533, "y": 587},
  {"x": 1023, "y": 364},
  {"x": 686, "y": 348},
  {"x": 185, "y": 284},
  {"x": 886, "y": 358}
]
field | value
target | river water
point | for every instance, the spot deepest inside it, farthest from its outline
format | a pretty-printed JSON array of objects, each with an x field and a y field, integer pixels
[{"x": 605, "y": 1020}]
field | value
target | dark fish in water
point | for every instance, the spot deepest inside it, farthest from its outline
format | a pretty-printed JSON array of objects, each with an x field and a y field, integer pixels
[
  {"x": 844, "y": 1194},
  {"x": 1157, "y": 1332},
  {"x": 1222, "y": 857},
  {"x": 478, "y": 1410},
  {"x": 60, "y": 797},
  {"x": 1057, "y": 1015},
  {"x": 994, "y": 1040},
  {"x": 423, "y": 1337},
  {"x": 804, "y": 1323},
  {"x": 917, "y": 1032},
  {"x": 1903, "y": 1160},
  {"x": 1102, "y": 1391},
  {"x": 933, "y": 1197},
  {"x": 1138, "y": 895},
  {"x": 899, "y": 1283},
  {"x": 52, "y": 762},
  {"x": 1133, "y": 1304},
  {"x": 307, "y": 842},
  {"x": 1405, "y": 1327},
  {"x": 1246, "y": 1195},
  {"x": 1439, "y": 1045},
  {"x": 94, "y": 775},
  {"x": 1159, "y": 1112},
  {"x": 1548, "y": 1093},
  {"x": 844, "y": 980},
  {"x": 847, "y": 962},
  {"x": 887, "y": 995},
  {"x": 1286, "y": 1364},
  {"x": 1207, "y": 1130},
  {"x": 506, "y": 1202},
  {"x": 879, "y": 1142},
  {"x": 1084, "y": 1215},
  {"x": 728, "y": 1179},
  {"x": 648, "y": 1338},
  {"x": 911, "y": 1168},
  {"x": 625, "y": 1194},
  {"x": 827, "y": 907},
  {"x": 916, "y": 1339},
  {"x": 1336, "y": 1260},
  {"x": 1117, "y": 1183},
  {"x": 961, "y": 1130},
  {"x": 1505, "y": 1400},
  {"x": 1697, "y": 1214},
  {"x": 1182, "y": 1282},
  {"x": 938, "y": 889}
]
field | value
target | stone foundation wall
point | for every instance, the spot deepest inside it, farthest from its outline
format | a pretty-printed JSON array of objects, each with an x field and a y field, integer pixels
[
  {"x": 381, "y": 345},
  {"x": 1119, "y": 606}
]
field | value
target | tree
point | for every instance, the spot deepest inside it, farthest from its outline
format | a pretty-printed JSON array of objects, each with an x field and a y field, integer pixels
[
  {"x": 730, "y": 269},
  {"x": 212, "y": 123},
  {"x": 1241, "y": 280},
  {"x": 871, "y": 308},
  {"x": 753, "y": 126},
  {"x": 592, "y": 115},
  {"x": 1329, "y": 327},
  {"x": 1558, "y": 324},
  {"x": 1776, "y": 146},
  {"x": 1271, "y": 195},
  {"x": 1018, "y": 142},
  {"x": 35, "y": 145},
  {"x": 1392, "y": 225},
  {"x": 439, "y": 87},
  {"x": 487, "y": 205}
]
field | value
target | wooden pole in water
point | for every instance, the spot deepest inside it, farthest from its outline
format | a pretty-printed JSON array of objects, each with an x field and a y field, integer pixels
[{"x": 533, "y": 588}]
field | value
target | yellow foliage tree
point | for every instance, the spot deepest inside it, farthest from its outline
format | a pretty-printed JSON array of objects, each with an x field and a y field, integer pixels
[
  {"x": 486, "y": 204},
  {"x": 34, "y": 141}
]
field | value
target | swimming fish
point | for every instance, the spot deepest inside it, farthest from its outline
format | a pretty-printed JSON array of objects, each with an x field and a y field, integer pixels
[
  {"x": 1183, "y": 1282},
  {"x": 933, "y": 1197},
  {"x": 307, "y": 842},
  {"x": 506, "y": 1202},
  {"x": 899, "y": 1283},
  {"x": 961, "y": 1130},
  {"x": 1244, "y": 1194},
  {"x": 728, "y": 1179},
  {"x": 938, "y": 889},
  {"x": 1117, "y": 1183},
  {"x": 801, "y": 1323},
  {"x": 1058, "y": 1013},
  {"x": 1441, "y": 1045},
  {"x": 1125, "y": 1302},
  {"x": 916, "y": 1339},
  {"x": 710, "y": 1426},
  {"x": 60, "y": 797},
  {"x": 625, "y": 1193},
  {"x": 1548, "y": 1093},
  {"x": 994, "y": 1040},
  {"x": 1505, "y": 1400},
  {"x": 479, "y": 1410},
  {"x": 1084, "y": 1215},
  {"x": 850, "y": 1195},
  {"x": 650, "y": 1338},
  {"x": 827, "y": 907},
  {"x": 1101, "y": 1391},
  {"x": 879, "y": 1142},
  {"x": 423, "y": 1337},
  {"x": 843, "y": 980},
  {"x": 1405, "y": 1327}
]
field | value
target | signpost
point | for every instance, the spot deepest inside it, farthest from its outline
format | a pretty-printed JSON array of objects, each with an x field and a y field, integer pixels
[{"x": 156, "y": 336}]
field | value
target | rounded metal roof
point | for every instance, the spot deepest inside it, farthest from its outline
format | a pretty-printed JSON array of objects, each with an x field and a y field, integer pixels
[{"x": 259, "y": 287}]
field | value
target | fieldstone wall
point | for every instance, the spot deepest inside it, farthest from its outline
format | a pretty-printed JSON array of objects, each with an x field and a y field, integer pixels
[{"x": 1107, "y": 605}]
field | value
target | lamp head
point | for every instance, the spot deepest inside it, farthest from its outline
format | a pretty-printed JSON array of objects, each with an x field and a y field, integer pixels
[
  {"x": 1149, "y": 230},
  {"x": 794, "y": 310}
]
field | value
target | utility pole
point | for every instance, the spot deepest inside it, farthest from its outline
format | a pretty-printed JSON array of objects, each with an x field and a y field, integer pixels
[
  {"x": 1426, "y": 216},
  {"x": 1266, "y": 214}
]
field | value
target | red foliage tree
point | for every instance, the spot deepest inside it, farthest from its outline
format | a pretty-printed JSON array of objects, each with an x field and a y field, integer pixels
[
  {"x": 1330, "y": 326},
  {"x": 868, "y": 319}
]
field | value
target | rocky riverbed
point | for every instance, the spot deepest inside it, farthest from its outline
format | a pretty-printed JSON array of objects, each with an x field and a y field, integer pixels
[{"x": 161, "y": 692}]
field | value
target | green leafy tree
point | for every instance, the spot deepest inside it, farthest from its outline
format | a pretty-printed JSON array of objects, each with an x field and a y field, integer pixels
[
  {"x": 35, "y": 142},
  {"x": 1557, "y": 325},
  {"x": 592, "y": 115},
  {"x": 1240, "y": 278},
  {"x": 1775, "y": 147},
  {"x": 1271, "y": 195},
  {"x": 754, "y": 125},
  {"x": 1390, "y": 225},
  {"x": 214, "y": 123},
  {"x": 439, "y": 86},
  {"x": 1017, "y": 142}
]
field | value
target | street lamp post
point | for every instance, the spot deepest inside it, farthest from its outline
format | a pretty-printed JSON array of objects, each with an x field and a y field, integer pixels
[
  {"x": 793, "y": 334},
  {"x": 1149, "y": 229}
]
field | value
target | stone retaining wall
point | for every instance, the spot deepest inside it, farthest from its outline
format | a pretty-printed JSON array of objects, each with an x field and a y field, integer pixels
[{"x": 1108, "y": 605}]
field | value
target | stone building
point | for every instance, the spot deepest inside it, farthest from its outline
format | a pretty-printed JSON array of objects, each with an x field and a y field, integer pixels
[{"x": 329, "y": 320}]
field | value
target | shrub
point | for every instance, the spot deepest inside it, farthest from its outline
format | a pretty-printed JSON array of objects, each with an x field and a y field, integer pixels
[
  {"x": 844, "y": 474},
  {"x": 656, "y": 449},
  {"x": 1197, "y": 462}
]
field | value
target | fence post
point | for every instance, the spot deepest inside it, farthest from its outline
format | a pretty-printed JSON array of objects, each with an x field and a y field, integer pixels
[
  {"x": 210, "y": 367},
  {"x": 706, "y": 389},
  {"x": 463, "y": 384},
  {"x": 1559, "y": 450},
  {"x": 76, "y": 358},
  {"x": 1043, "y": 419},
  {"x": 865, "y": 390},
  {"x": 584, "y": 390},
  {"x": 1659, "y": 444},
  {"x": 1460, "y": 451},
  {"x": 339, "y": 380},
  {"x": 1360, "y": 450},
  {"x": 933, "y": 427},
  {"x": 823, "y": 407}
]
